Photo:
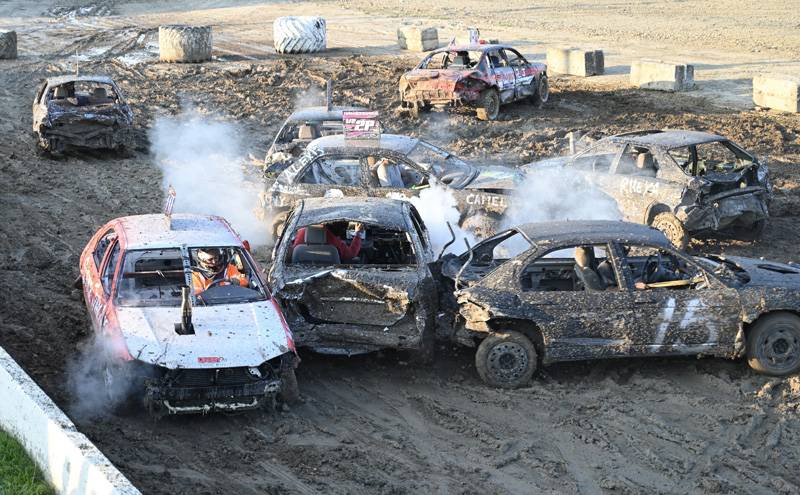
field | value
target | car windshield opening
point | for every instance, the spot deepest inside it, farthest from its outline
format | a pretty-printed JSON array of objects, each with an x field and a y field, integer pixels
[
  {"x": 151, "y": 277},
  {"x": 351, "y": 243},
  {"x": 223, "y": 275},
  {"x": 444, "y": 166}
]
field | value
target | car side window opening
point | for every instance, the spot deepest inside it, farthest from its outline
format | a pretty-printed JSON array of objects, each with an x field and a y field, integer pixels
[
  {"x": 335, "y": 243},
  {"x": 102, "y": 246},
  {"x": 110, "y": 267},
  {"x": 580, "y": 267},
  {"x": 495, "y": 59},
  {"x": 637, "y": 160},
  {"x": 446, "y": 167},
  {"x": 514, "y": 58},
  {"x": 334, "y": 171},
  {"x": 393, "y": 173},
  {"x": 598, "y": 158},
  {"x": 419, "y": 225},
  {"x": 715, "y": 157},
  {"x": 654, "y": 268}
]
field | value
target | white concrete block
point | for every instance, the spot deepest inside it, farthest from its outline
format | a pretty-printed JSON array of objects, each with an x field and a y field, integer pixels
[
  {"x": 69, "y": 461},
  {"x": 777, "y": 91},
  {"x": 575, "y": 61},
  {"x": 662, "y": 76},
  {"x": 417, "y": 39}
]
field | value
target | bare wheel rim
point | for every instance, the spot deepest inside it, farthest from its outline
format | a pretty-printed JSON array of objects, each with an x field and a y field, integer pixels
[
  {"x": 492, "y": 105},
  {"x": 669, "y": 230},
  {"x": 544, "y": 90},
  {"x": 779, "y": 348},
  {"x": 507, "y": 361}
]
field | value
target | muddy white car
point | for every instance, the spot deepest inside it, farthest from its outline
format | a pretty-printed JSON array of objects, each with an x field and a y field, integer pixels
[
  {"x": 684, "y": 183},
  {"x": 330, "y": 166},
  {"x": 175, "y": 347},
  {"x": 81, "y": 112},
  {"x": 299, "y": 129},
  {"x": 363, "y": 291},
  {"x": 542, "y": 293}
]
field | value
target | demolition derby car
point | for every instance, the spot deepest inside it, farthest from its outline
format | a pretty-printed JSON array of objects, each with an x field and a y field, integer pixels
[
  {"x": 299, "y": 129},
  {"x": 81, "y": 111},
  {"x": 373, "y": 292},
  {"x": 684, "y": 183},
  {"x": 182, "y": 341},
  {"x": 483, "y": 76},
  {"x": 562, "y": 291},
  {"x": 396, "y": 166}
]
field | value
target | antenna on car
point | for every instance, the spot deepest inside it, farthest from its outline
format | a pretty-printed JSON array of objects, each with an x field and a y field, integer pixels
[
  {"x": 452, "y": 240},
  {"x": 169, "y": 202},
  {"x": 469, "y": 260},
  {"x": 329, "y": 94}
]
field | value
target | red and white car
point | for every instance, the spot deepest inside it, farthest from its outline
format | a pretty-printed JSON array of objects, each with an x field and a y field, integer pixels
[{"x": 180, "y": 348}]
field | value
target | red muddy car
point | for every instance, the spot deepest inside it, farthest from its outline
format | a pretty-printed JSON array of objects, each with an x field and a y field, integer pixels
[{"x": 482, "y": 76}]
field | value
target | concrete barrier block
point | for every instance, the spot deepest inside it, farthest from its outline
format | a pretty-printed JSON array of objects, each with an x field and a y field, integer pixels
[
  {"x": 575, "y": 61},
  {"x": 68, "y": 460},
  {"x": 417, "y": 39},
  {"x": 777, "y": 91},
  {"x": 662, "y": 76}
]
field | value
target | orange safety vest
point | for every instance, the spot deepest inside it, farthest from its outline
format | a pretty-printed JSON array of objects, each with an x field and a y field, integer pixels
[{"x": 200, "y": 282}]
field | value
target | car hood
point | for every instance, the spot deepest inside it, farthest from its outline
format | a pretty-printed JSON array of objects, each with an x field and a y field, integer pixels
[
  {"x": 226, "y": 335},
  {"x": 496, "y": 177},
  {"x": 764, "y": 273}
]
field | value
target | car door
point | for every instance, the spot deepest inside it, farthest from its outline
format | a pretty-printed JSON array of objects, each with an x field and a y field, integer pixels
[
  {"x": 524, "y": 79},
  {"x": 503, "y": 74},
  {"x": 98, "y": 277},
  {"x": 693, "y": 314},
  {"x": 576, "y": 323}
]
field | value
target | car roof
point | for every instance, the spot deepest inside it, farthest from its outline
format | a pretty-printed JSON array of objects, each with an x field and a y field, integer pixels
[
  {"x": 482, "y": 47},
  {"x": 386, "y": 212},
  {"x": 392, "y": 142},
  {"x": 153, "y": 232},
  {"x": 593, "y": 231},
  {"x": 322, "y": 113},
  {"x": 59, "y": 80},
  {"x": 668, "y": 138}
]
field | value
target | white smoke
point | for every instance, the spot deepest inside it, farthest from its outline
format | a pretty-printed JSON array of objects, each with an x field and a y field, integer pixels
[
  {"x": 203, "y": 159},
  {"x": 311, "y": 97},
  {"x": 437, "y": 206}
]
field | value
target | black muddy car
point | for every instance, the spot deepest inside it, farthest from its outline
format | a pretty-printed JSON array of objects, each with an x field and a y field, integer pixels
[
  {"x": 352, "y": 276},
  {"x": 684, "y": 183},
  {"x": 81, "y": 112},
  {"x": 562, "y": 291}
]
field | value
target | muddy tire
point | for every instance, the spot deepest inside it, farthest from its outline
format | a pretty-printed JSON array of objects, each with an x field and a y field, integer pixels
[
  {"x": 489, "y": 105},
  {"x": 542, "y": 93},
  {"x": 179, "y": 43},
  {"x": 290, "y": 392},
  {"x": 773, "y": 344},
  {"x": 8, "y": 44},
  {"x": 672, "y": 228},
  {"x": 303, "y": 34},
  {"x": 506, "y": 359}
]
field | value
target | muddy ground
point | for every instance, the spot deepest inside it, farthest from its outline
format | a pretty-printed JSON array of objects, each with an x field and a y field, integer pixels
[{"x": 375, "y": 424}]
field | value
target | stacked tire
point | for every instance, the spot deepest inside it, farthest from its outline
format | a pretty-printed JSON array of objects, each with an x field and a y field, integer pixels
[
  {"x": 8, "y": 44},
  {"x": 179, "y": 43},
  {"x": 299, "y": 34}
]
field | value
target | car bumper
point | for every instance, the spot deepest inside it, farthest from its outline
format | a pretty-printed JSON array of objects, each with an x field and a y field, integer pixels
[
  {"x": 440, "y": 97},
  {"x": 203, "y": 400},
  {"x": 726, "y": 211}
]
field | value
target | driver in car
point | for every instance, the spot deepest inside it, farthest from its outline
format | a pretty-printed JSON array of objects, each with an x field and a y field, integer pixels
[{"x": 211, "y": 269}]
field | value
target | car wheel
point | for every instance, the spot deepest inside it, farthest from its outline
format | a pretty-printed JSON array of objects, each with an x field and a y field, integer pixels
[
  {"x": 672, "y": 228},
  {"x": 489, "y": 106},
  {"x": 506, "y": 359},
  {"x": 290, "y": 392},
  {"x": 773, "y": 344},
  {"x": 542, "y": 93}
]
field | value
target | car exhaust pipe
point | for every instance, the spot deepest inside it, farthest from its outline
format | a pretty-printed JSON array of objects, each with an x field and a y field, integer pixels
[
  {"x": 451, "y": 241},
  {"x": 469, "y": 260}
]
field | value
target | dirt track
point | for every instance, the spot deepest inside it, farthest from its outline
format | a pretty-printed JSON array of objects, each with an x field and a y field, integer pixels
[{"x": 375, "y": 424}]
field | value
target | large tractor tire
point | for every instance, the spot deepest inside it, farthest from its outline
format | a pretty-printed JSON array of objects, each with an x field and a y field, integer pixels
[
  {"x": 179, "y": 43},
  {"x": 8, "y": 44},
  {"x": 303, "y": 34}
]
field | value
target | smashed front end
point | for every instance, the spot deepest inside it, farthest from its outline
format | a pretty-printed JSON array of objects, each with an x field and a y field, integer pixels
[
  {"x": 94, "y": 128},
  {"x": 206, "y": 390},
  {"x": 423, "y": 88},
  {"x": 726, "y": 203}
]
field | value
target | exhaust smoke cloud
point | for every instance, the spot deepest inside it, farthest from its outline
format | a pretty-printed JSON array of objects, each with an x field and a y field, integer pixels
[
  {"x": 437, "y": 207},
  {"x": 203, "y": 158}
]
